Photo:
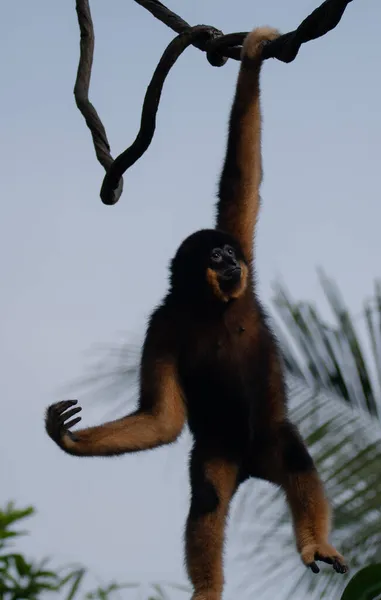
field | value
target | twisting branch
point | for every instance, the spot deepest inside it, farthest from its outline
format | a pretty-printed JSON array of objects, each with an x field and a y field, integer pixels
[
  {"x": 218, "y": 48},
  {"x": 81, "y": 91},
  {"x": 318, "y": 23},
  {"x": 150, "y": 106},
  {"x": 172, "y": 20}
]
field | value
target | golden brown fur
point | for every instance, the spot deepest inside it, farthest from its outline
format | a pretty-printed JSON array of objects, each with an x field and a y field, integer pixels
[
  {"x": 161, "y": 425},
  {"x": 240, "y": 216},
  {"x": 210, "y": 357}
]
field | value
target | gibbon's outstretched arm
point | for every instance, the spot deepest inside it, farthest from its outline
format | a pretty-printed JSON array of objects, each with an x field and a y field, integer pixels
[
  {"x": 239, "y": 199},
  {"x": 159, "y": 419}
]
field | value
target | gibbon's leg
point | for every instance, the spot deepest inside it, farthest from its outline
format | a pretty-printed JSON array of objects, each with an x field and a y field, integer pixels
[
  {"x": 292, "y": 467},
  {"x": 213, "y": 483}
]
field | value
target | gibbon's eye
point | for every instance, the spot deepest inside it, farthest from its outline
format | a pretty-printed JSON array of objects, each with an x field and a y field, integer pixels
[
  {"x": 229, "y": 250},
  {"x": 216, "y": 255}
]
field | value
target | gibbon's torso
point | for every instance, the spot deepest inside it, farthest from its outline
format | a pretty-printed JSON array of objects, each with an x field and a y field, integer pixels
[{"x": 227, "y": 362}]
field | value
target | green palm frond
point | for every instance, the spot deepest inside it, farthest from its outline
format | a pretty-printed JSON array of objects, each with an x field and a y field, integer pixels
[
  {"x": 333, "y": 358},
  {"x": 365, "y": 585}
]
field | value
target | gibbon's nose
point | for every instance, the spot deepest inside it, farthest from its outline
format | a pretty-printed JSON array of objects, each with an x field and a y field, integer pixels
[
  {"x": 234, "y": 271},
  {"x": 231, "y": 261}
]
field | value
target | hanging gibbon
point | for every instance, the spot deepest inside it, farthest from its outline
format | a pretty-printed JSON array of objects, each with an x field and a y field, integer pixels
[{"x": 210, "y": 358}]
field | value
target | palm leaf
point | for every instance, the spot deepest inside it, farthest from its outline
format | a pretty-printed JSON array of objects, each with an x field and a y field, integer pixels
[
  {"x": 365, "y": 585},
  {"x": 333, "y": 358}
]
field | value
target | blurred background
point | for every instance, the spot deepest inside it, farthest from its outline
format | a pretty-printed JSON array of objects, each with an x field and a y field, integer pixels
[{"x": 79, "y": 280}]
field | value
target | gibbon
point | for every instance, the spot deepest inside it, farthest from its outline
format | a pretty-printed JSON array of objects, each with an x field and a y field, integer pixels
[{"x": 210, "y": 357}]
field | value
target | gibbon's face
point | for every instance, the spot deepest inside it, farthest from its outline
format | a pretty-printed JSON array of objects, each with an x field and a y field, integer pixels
[
  {"x": 224, "y": 263},
  {"x": 226, "y": 274},
  {"x": 209, "y": 264}
]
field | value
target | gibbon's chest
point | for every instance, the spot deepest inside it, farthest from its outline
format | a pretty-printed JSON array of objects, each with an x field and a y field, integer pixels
[
  {"x": 226, "y": 343},
  {"x": 220, "y": 355},
  {"x": 224, "y": 380}
]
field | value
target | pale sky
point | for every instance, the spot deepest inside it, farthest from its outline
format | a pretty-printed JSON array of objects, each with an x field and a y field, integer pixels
[{"x": 76, "y": 274}]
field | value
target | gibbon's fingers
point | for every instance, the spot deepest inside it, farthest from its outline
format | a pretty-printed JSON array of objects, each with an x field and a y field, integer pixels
[
  {"x": 60, "y": 407},
  {"x": 256, "y": 40},
  {"x": 68, "y": 414},
  {"x": 73, "y": 422}
]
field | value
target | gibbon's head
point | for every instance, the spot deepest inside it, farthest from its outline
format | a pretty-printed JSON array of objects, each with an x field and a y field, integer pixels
[{"x": 209, "y": 265}]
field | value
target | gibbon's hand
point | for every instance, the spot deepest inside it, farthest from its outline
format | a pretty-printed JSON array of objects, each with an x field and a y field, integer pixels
[{"x": 56, "y": 419}]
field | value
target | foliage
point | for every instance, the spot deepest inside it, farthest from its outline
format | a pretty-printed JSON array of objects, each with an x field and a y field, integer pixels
[
  {"x": 21, "y": 579},
  {"x": 365, "y": 585}
]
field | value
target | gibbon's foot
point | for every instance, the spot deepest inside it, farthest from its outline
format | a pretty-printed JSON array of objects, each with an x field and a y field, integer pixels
[
  {"x": 326, "y": 553},
  {"x": 57, "y": 416}
]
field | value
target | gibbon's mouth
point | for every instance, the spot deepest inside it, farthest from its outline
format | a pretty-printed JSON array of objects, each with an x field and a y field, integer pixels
[{"x": 231, "y": 273}]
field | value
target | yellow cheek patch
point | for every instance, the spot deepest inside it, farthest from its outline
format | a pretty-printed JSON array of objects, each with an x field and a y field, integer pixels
[
  {"x": 236, "y": 292},
  {"x": 212, "y": 279},
  {"x": 242, "y": 284}
]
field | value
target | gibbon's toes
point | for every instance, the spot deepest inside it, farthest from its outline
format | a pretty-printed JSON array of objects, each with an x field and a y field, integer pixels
[
  {"x": 314, "y": 568},
  {"x": 340, "y": 567},
  {"x": 255, "y": 40},
  {"x": 325, "y": 553}
]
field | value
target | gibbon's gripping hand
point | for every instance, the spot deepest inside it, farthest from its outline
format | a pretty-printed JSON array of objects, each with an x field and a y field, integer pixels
[
  {"x": 56, "y": 420},
  {"x": 255, "y": 40}
]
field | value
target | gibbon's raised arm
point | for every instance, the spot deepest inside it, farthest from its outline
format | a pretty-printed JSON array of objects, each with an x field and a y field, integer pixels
[
  {"x": 158, "y": 420},
  {"x": 239, "y": 199}
]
